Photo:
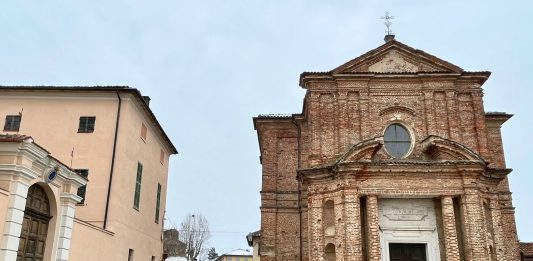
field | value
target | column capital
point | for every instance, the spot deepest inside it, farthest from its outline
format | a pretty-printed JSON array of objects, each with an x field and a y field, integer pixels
[
  {"x": 446, "y": 200},
  {"x": 69, "y": 198}
]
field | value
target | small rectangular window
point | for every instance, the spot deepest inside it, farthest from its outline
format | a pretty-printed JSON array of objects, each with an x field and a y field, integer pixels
[
  {"x": 158, "y": 203},
  {"x": 130, "y": 255},
  {"x": 83, "y": 189},
  {"x": 162, "y": 157},
  {"x": 12, "y": 123},
  {"x": 144, "y": 131},
  {"x": 153, "y": 258},
  {"x": 138, "y": 180},
  {"x": 86, "y": 124}
]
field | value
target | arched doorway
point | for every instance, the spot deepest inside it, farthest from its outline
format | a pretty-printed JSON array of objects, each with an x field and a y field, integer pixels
[{"x": 34, "y": 226}]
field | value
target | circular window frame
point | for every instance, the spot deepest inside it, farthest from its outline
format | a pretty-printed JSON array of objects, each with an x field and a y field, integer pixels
[{"x": 410, "y": 132}]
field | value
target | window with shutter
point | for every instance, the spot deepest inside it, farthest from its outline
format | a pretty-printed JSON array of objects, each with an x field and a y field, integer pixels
[
  {"x": 83, "y": 189},
  {"x": 137, "y": 196},
  {"x": 12, "y": 123},
  {"x": 86, "y": 124}
]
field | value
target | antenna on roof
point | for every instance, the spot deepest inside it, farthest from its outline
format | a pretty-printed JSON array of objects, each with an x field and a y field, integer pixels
[
  {"x": 71, "y": 156},
  {"x": 387, "y": 22}
]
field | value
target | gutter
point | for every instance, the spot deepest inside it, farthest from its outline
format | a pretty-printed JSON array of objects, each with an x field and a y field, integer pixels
[{"x": 112, "y": 161}]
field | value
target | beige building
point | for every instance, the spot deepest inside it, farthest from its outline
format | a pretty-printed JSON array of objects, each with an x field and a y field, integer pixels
[
  {"x": 108, "y": 136},
  {"x": 236, "y": 255}
]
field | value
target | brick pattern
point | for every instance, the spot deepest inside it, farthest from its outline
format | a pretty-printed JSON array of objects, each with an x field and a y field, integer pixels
[
  {"x": 450, "y": 231},
  {"x": 353, "y": 226},
  {"x": 374, "y": 248},
  {"x": 299, "y": 156}
]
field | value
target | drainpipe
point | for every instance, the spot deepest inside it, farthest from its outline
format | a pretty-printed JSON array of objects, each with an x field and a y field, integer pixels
[
  {"x": 112, "y": 161},
  {"x": 299, "y": 187}
]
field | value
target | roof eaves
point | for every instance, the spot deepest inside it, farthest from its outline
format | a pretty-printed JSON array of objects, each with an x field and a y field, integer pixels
[{"x": 118, "y": 88}]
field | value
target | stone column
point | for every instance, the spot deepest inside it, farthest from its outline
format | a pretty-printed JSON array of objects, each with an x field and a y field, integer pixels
[
  {"x": 374, "y": 245},
  {"x": 316, "y": 238},
  {"x": 13, "y": 222},
  {"x": 450, "y": 231},
  {"x": 499, "y": 244},
  {"x": 66, "y": 221},
  {"x": 353, "y": 225}
]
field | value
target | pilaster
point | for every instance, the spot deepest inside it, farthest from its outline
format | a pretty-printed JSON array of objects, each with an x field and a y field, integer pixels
[
  {"x": 14, "y": 217},
  {"x": 352, "y": 220},
  {"x": 66, "y": 219},
  {"x": 316, "y": 238},
  {"x": 450, "y": 231},
  {"x": 374, "y": 245},
  {"x": 499, "y": 244},
  {"x": 473, "y": 222}
]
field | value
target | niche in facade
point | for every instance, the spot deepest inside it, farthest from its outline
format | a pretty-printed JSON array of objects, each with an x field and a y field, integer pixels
[{"x": 329, "y": 218}]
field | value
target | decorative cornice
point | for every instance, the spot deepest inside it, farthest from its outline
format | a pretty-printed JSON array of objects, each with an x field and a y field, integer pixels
[
  {"x": 434, "y": 145},
  {"x": 70, "y": 198}
]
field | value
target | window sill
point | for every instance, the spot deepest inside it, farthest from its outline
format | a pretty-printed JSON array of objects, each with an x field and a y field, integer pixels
[
  {"x": 17, "y": 130},
  {"x": 85, "y": 131},
  {"x": 136, "y": 208}
]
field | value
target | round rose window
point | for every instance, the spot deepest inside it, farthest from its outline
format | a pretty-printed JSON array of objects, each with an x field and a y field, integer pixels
[{"x": 397, "y": 140}]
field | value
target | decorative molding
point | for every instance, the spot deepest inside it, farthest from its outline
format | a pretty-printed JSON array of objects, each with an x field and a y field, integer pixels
[{"x": 397, "y": 108}]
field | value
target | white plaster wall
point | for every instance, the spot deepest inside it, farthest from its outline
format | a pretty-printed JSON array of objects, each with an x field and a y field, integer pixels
[{"x": 408, "y": 221}]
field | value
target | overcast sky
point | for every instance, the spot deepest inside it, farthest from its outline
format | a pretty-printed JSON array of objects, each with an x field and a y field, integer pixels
[{"x": 210, "y": 66}]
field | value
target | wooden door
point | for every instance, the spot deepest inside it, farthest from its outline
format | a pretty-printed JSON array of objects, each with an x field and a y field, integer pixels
[
  {"x": 34, "y": 226},
  {"x": 407, "y": 252}
]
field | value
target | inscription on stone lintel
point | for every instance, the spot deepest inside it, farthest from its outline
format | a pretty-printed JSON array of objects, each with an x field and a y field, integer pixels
[{"x": 404, "y": 214}]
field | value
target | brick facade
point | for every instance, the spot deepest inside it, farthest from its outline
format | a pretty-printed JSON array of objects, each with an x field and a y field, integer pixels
[{"x": 334, "y": 153}]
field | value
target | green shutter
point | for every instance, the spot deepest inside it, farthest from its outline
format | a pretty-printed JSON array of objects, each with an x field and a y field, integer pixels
[
  {"x": 137, "y": 196},
  {"x": 157, "y": 204}
]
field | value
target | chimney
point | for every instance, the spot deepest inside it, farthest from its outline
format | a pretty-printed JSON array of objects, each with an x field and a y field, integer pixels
[
  {"x": 147, "y": 99},
  {"x": 389, "y": 37}
]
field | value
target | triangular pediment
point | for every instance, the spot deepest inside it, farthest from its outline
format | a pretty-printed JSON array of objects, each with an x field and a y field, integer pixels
[{"x": 396, "y": 57}]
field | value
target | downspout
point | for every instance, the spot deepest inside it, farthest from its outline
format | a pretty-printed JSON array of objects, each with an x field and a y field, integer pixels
[
  {"x": 112, "y": 161},
  {"x": 299, "y": 187}
]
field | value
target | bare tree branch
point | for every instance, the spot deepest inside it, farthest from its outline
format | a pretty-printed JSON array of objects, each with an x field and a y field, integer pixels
[{"x": 194, "y": 232}]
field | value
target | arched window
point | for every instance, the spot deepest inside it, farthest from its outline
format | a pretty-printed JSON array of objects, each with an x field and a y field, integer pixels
[
  {"x": 397, "y": 140},
  {"x": 329, "y": 252}
]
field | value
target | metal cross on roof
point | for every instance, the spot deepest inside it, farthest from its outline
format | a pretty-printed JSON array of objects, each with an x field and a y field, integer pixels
[{"x": 387, "y": 22}]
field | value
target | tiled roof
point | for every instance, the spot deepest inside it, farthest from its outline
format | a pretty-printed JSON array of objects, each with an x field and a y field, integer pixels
[
  {"x": 51, "y": 87},
  {"x": 239, "y": 252},
  {"x": 281, "y": 115},
  {"x": 22, "y": 138},
  {"x": 128, "y": 89},
  {"x": 496, "y": 113},
  {"x": 13, "y": 137},
  {"x": 526, "y": 248}
]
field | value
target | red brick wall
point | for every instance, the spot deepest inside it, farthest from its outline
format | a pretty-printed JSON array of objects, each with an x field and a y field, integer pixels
[{"x": 342, "y": 112}]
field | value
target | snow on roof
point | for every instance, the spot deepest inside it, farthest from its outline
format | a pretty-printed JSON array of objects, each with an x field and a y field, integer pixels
[
  {"x": 239, "y": 252},
  {"x": 176, "y": 258}
]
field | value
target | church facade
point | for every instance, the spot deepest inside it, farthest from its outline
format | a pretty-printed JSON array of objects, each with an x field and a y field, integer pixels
[{"x": 392, "y": 158}]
